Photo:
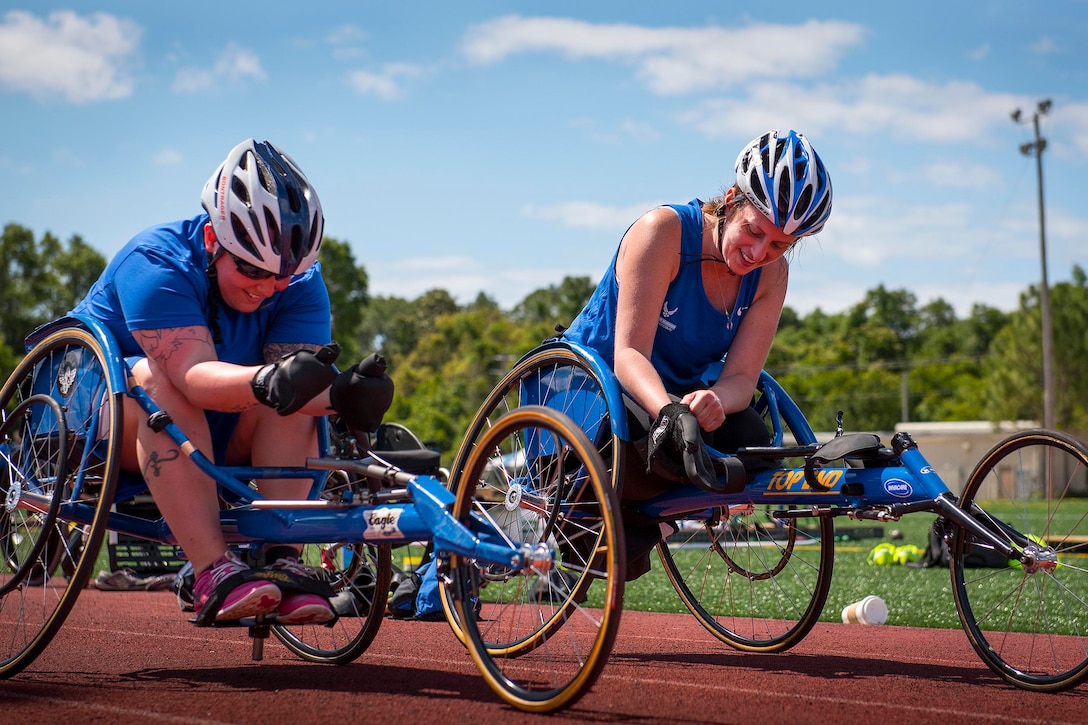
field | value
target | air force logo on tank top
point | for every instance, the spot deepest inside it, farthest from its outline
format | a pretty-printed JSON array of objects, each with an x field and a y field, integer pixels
[
  {"x": 666, "y": 313},
  {"x": 665, "y": 324}
]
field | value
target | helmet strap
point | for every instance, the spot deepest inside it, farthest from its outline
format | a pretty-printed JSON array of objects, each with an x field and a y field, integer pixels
[{"x": 215, "y": 297}]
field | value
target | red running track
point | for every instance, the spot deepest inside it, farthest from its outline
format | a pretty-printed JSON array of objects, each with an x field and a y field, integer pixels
[{"x": 131, "y": 657}]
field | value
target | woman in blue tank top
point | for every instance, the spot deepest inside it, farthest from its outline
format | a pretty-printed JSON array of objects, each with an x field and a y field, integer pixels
[{"x": 693, "y": 284}]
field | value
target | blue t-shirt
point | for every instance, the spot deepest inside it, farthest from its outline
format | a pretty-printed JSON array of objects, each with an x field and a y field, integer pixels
[
  {"x": 159, "y": 280},
  {"x": 692, "y": 335}
]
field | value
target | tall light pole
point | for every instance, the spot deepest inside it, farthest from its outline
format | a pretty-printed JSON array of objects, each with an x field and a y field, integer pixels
[{"x": 1035, "y": 148}]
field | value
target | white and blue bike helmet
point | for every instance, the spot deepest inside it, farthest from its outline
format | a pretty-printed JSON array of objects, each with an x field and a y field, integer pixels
[{"x": 780, "y": 173}]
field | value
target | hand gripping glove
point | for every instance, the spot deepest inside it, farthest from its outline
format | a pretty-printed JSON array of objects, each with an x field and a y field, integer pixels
[
  {"x": 295, "y": 379},
  {"x": 678, "y": 429},
  {"x": 362, "y": 393}
]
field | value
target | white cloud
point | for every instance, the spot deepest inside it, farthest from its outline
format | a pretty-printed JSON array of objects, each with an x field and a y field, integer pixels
[
  {"x": 871, "y": 231},
  {"x": 167, "y": 157},
  {"x": 347, "y": 34},
  {"x": 628, "y": 130},
  {"x": 20, "y": 168},
  {"x": 234, "y": 65},
  {"x": 589, "y": 215},
  {"x": 66, "y": 158},
  {"x": 897, "y": 104},
  {"x": 980, "y": 52},
  {"x": 384, "y": 84},
  {"x": 347, "y": 41},
  {"x": 1044, "y": 46},
  {"x": 674, "y": 60},
  {"x": 78, "y": 59},
  {"x": 764, "y": 94},
  {"x": 962, "y": 176}
]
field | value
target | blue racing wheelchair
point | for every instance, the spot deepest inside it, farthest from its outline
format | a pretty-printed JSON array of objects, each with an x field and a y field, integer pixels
[
  {"x": 62, "y": 488},
  {"x": 752, "y": 559}
]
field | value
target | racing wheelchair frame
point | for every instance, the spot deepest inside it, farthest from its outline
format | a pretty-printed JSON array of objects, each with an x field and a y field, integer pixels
[
  {"x": 60, "y": 483},
  {"x": 754, "y": 565}
]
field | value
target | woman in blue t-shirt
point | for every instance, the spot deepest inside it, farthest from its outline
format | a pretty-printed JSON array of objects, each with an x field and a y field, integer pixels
[
  {"x": 226, "y": 322},
  {"x": 691, "y": 284}
]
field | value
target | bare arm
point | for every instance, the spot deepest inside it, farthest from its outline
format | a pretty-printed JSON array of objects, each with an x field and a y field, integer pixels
[
  {"x": 186, "y": 357},
  {"x": 648, "y": 260}
]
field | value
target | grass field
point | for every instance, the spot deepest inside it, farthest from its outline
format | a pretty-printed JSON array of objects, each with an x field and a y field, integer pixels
[{"x": 915, "y": 597}]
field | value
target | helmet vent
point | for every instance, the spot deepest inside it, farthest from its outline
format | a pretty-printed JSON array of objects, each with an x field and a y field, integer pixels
[
  {"x": 294, "y": 200},
  {"x": 783, "y": 208},
  {"x": 779, "y": 147},
  {"x": 801, "y": 207},
  {"x": 273, "y": 231},
  {"x": 757, "y": 187},
  {"x": 242, "y": 236},
  {"x": 821, "y": 209},
  {"x": 315, "y": 233},
  {"x": 238, "y": 187},
  {"x": 264, "y": 174},
  {"x": 296, "y": 244}
]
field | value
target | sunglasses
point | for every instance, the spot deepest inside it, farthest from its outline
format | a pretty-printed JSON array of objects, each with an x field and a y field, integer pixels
[{"x": 254, "y": 272}]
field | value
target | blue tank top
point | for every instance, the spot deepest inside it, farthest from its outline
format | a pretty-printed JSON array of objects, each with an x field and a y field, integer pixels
[{"x": 692, "y": 335}]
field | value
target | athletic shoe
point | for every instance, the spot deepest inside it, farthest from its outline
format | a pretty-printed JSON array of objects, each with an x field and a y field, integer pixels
[
  {"x": 248, "y": 599},
  {"x": 301, "y": 607}
]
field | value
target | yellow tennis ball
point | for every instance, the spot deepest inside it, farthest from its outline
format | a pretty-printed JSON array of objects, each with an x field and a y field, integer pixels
[
  {"x": 906, "y": 553},
  {"x": 883, "y": 557}
]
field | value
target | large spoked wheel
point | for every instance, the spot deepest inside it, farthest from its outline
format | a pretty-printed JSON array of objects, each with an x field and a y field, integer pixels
[
  {"x": 755, "y": 578},
  {"x": 359, "y": 574},
  {"x": 534, "y": 477},
  {"x": 58, "y": 481},
  {"x": 755, "y": 581},
  {"x": 560, "y": 379},
  {"x": 1029, "y": 621}
]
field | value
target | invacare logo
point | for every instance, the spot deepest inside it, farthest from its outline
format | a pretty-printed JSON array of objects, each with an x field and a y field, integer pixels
[{"x": 898, "y": 487}]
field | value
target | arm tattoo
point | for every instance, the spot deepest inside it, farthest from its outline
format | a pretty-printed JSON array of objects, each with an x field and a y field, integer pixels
[
  {"x": 160, "y": 345},
  {"x": 273, "y": 351}
]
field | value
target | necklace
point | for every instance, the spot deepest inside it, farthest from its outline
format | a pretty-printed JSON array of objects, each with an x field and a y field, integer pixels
[{"x": 723, "y": 299}]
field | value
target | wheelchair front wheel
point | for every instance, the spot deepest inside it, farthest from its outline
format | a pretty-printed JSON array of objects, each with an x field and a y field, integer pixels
[
  {"x": 534, "y": 477},
  {"x": 359, "y": 575},
  {"x": 1028, "y": 622},
  {"x": 557, "y": 377}
]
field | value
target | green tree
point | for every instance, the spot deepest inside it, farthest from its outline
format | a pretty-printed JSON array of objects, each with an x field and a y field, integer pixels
[
  {"x": 348, "y": 296},
  {"x": 394, "y": 326},
  {"x": 1014, "y": 373},
  {"x": 41, "y": 280},
  {"x": 556, "y": 304},
  {"x": 452, "y": 369}
]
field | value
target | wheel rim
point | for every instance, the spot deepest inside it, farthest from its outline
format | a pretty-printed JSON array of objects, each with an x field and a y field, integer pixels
[
  {"x": 536, "y": 644},
  {"x": 1029, "y": 623}
]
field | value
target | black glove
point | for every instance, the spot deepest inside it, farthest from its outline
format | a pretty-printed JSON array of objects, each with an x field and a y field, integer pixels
[
  {"x": 295, "y": 379},
  {"x": 677, "y": 428},
  {"x": 362, "y": 393}
]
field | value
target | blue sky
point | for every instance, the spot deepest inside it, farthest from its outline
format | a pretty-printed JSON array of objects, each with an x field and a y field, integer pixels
[{"x": 500, "y": 146}]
